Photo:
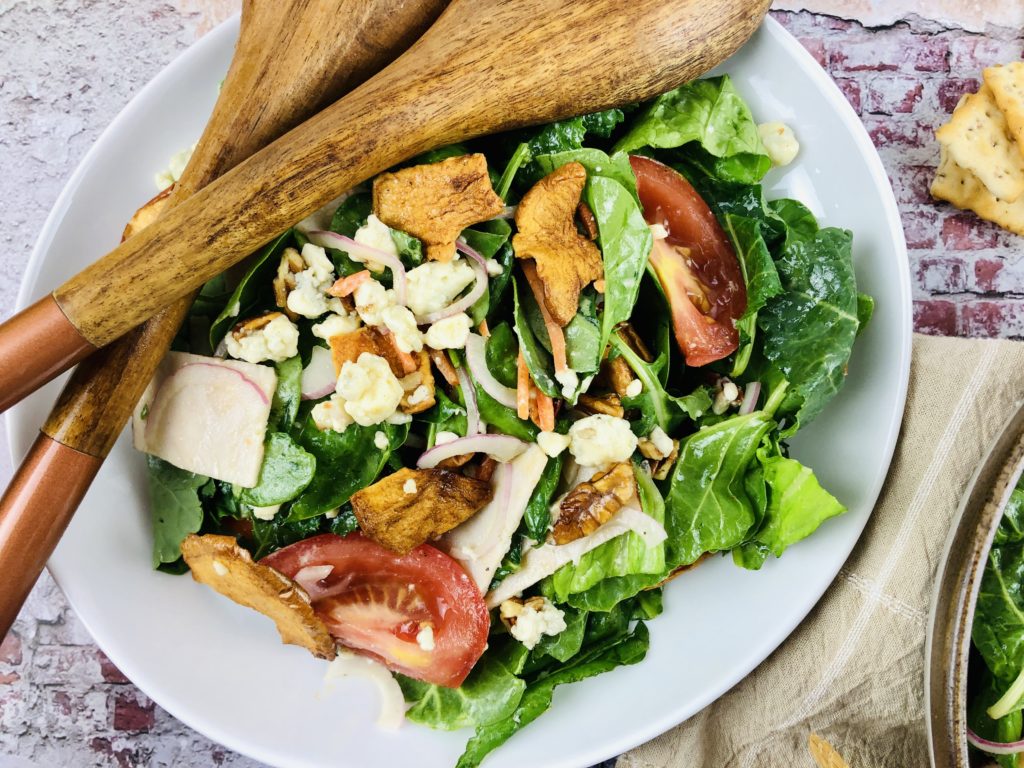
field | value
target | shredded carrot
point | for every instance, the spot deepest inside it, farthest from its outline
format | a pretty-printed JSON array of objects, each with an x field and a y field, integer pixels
[
  {"x": 534, "y": 414},
  {"x": 484, "y": 330},
  {"x": 555, "y": 333},
  {"x": 545, "y": 411},
  {"x": 347, "y": 285},
  {"x": 444, "y": 367},
  {"x": 522, "y": 388}
]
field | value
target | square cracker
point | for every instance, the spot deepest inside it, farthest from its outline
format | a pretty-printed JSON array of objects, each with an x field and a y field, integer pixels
[
  {"x": 978, "y": 140},
  {"x": 965, "y": 190},
  {"x": 1006, "y": 82}
]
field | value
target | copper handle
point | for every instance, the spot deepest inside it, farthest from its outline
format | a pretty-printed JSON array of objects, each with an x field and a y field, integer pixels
[
  {"x": 36, "y": 345},
  {"x": 34, "y": 511}
]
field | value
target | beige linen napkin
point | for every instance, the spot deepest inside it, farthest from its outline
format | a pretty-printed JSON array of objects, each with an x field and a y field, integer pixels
[{"x": 853, "y": 670}]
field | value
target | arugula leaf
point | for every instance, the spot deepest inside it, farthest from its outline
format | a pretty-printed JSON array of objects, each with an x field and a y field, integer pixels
[
  {"x": 345, "y": 461},
  {"x": 491, "y": 693},
  {"x": 625, "y": 555},
  {"x": 177, "y": 511},
  {"x": 537, "y": 516},
  {"x": 809, "y": 330},
  {"x": 288, "y": 396},
  {"x": 537, "y": 697},
  {"x": 286, "y": 472},
  {"x": 711, "y": 113},
  {"x": 253, "y": 289},
  {"x": 708, "y": 507}
]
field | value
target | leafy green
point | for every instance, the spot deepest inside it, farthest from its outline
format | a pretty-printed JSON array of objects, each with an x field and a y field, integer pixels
[
  {"x": 1006, "y": 729},
  {"x": 271, "y": 535},
  {"x": 445, "y": 416},
  {"x": 346, "y": 462},
  {"x": 252, "y": 289},
  {"x": 490, "y": 693},
  {"x": 598, "y": 164},
  {"x": 565, "y": 644},
  {"x": 504, "y": 419},
  {"x": 286, "y": 471},
  {"x": 519, "y": 156},
  {"x": 537, "y": 697},
  {"x": 288, "y": 396},
  {"x": 352, "y": 214},
  {"x": 501, "y": 353},
  {"x": 998, "y": 631},
  {"x": 1011, "y": 526},
  {"x": 711, "y": 113},
  {"x": 865, "y": 311},
  {"x": 537, "y": 516},
  {"x": 625, "y": 555},
  {"x": 797, "y": 505},
  {"x": 657, "y": 406},
  {"x": 708, "y": 507},
  {"x": 538, "y": 359},
  {"x": 583, "y": 344},
  {"x": 177, "y": 511},
  {"x": 809, "y": 330}
]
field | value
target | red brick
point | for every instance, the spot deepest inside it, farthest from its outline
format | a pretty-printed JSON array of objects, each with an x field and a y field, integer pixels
[
  {"x": 132, "y": 714},
  {"x": 7, "y": 678},
  {"x": 110, "y": 673},
  {"x": 61, "y": 665},
  {"x": 904, "y": 134},
  {"x": 10, "y": 650},
  {"x": 851, "y": 90},
  {"x": 966, "y": 232},
  {"x": 972, "y": 53},
  {"x": 936, "y": 317},
  {"x": 930, "y": 54},
  {"x": 913, "y": 185},
  {"x": 889, "y": 95},
  {"x": 951, "y": 90},
  {"x": 921, "y": 230},
  {"x": 986, "y": 271},
  {"x": 941, "y": 275},
  {"x": 984, "y": 318}
]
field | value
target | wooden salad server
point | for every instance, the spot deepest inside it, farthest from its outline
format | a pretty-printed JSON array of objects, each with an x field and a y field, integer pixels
[
  {"x": 484, "y": 66},
  {"x": 292, "y": 58}
]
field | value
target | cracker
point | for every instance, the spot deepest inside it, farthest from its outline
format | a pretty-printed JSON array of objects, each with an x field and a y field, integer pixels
[
  {"x": 963, "y": 189},
  {"x": 978, "y": 140},
  {"x": 1006, "y": 82}
]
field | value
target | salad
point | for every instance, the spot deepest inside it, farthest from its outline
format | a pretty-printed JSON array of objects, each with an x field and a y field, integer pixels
[
  {"x": 462, "y": 426},
  {"x": 996, "y": 673}
]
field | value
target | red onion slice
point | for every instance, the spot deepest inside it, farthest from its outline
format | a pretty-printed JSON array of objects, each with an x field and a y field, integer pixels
[
  {"x": 994, "y": 747},
  {"x": 474, "y": 426},
  {"x": 750, "y": 395},
  {"x": 502, "y": 448},
  {"x": 467, "y": 301},
  {"x": 363, "y": 253},
  {"x": 319, "y": 378},
  {"x": 476, "y": 358}
]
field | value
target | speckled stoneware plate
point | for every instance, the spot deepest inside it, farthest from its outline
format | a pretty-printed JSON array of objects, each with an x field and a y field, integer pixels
[
  {"x": 221, "y": 668},
  {"x": 956, "y": 590}
]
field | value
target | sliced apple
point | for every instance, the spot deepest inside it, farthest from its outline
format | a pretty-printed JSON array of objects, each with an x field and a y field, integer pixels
[
  {"x": 207, "y": 416},
  {"x": 319, "y": 378}
]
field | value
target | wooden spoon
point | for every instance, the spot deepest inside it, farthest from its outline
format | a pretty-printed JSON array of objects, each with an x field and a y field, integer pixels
[
  {"x": 292, "y": 58},
  {"x": 485, "y": 66}
]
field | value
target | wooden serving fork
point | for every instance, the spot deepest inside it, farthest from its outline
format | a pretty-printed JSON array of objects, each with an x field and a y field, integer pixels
[
  {"x": 484, "y": 66},
  {"x": 292, "y": 58}
]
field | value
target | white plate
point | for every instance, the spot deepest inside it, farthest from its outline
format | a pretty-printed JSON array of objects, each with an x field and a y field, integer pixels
[{"x": 221, "y": 669}]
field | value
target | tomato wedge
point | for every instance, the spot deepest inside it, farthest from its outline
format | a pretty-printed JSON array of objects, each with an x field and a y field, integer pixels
[
  {"x": 696, "y": 264},
  {"x": 376, "y": 603}
]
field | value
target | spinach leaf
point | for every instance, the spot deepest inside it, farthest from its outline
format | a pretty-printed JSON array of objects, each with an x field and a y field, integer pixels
[
  {"x": 288, "y": 396},
  {"x": 809, "y": 329},
  {"x": 583, "y": 348},
  {"x": 504, "y": 419},
  {"x": 352, "y": 214},
  {"x": 520, "y": 156},
  {"x": 796, "y": 506},
  {"x": 795, "y": 216},
  {"x": 286, "y": 471},
  {"x": 177, "y": 511},
  {"x": 760, "y": 276},
  {"x": 345, "y": 461},
  {"x": 625, "y": 555},
  {"x": 439, "y": 154},
  {"x": 565, "y": 644},
  {"x": 998, "y": 631},
  {"x": 410, "y": 249},
  {"x": 708, "y": 507},
  {"x": 490, "y": 693},
  {"x": 488, "y": 237},
  {"x": 1011, "y": 527},
  {"x": 254, "y": 288},
  {"x": 537, "y": 697},
  {"x": 625, "y": 241},
  {"x": 1005, "y": 729},
  {"x": 615, "y": 168},
  {"x": 656, "y": 405},
  {"x": 501, "y": 353},
  {"x": 865, "y": 311},
  {"x": 569, "y": 134},
  {"x": 444, "y": 416},
  {"x": 271, "y": 535},
  {"x": 712, "y": 113},
  {"x": 537, "y": 516},
  {"x": 538, "y": 360}
]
